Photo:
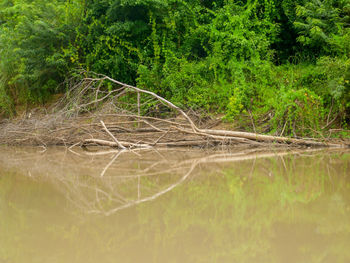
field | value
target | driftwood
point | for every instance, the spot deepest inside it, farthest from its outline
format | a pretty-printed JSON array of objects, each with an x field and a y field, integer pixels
[
  {"x": 218, "y": 135},
  {"x": 128, "y": 117}
]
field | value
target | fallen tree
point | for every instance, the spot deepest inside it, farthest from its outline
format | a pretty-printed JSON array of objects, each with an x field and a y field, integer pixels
[{"x": 102, "y": 111}]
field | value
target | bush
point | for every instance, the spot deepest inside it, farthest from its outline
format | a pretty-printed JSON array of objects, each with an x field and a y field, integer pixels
[
  {"x": 298, "y": 112},
  {"x": 330, "y": 79}
]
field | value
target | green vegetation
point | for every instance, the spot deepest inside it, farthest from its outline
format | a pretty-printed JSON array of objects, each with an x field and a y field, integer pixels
[{"x": 286, "y": 63}]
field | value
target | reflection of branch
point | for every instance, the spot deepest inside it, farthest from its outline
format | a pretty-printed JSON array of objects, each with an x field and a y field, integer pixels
[
  {"x": 214, "y": 158},
  {"x": 121, "y": 185},
  {"x": 150, "y": 198},
  {"x": 111, "y": 162}
]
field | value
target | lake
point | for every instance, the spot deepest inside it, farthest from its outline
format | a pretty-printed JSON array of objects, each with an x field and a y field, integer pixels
[{"x": 174, "y": 205}]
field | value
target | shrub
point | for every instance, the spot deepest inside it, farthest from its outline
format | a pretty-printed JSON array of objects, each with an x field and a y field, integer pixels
[{"x": 298, "y": 112}]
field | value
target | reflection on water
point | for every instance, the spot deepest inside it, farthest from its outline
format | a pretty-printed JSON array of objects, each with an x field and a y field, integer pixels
[{"x": 174, "y": 206}]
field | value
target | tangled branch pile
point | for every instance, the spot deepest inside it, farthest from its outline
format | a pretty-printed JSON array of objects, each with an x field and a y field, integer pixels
[{"x": 102, "y": 111}]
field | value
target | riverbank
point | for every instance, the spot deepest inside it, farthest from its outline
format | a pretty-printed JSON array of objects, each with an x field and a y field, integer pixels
[{"x": 130, "y": 117}]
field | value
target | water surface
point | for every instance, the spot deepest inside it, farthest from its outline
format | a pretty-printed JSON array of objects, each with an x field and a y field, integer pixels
[{"x": 174, "y": 206}]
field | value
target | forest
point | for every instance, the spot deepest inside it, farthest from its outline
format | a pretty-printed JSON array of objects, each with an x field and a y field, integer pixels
[{"x": 283, "y": 65}]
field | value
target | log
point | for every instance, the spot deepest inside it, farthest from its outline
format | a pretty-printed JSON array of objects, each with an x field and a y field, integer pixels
[
  {"x": 114, "y": 144},
  {"x": 163, "y": 144},
  {"x": 269, "y": 138}
]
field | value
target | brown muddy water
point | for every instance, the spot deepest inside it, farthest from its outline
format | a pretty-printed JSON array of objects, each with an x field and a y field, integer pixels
[{"x": 174, "y": 206}]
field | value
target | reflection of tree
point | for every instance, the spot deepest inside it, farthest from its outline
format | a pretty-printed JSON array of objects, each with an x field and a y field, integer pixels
[
  {"x": 273, "y": 214},
  {"x": 123, "y": 183},
  {"x": 287, "y": 208},
  {"x": 110, "y": 195},
  {"x": 117, "y": 182}
]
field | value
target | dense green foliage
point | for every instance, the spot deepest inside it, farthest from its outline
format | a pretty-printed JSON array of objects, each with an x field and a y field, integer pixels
[{"x": 287, "y": 60}]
